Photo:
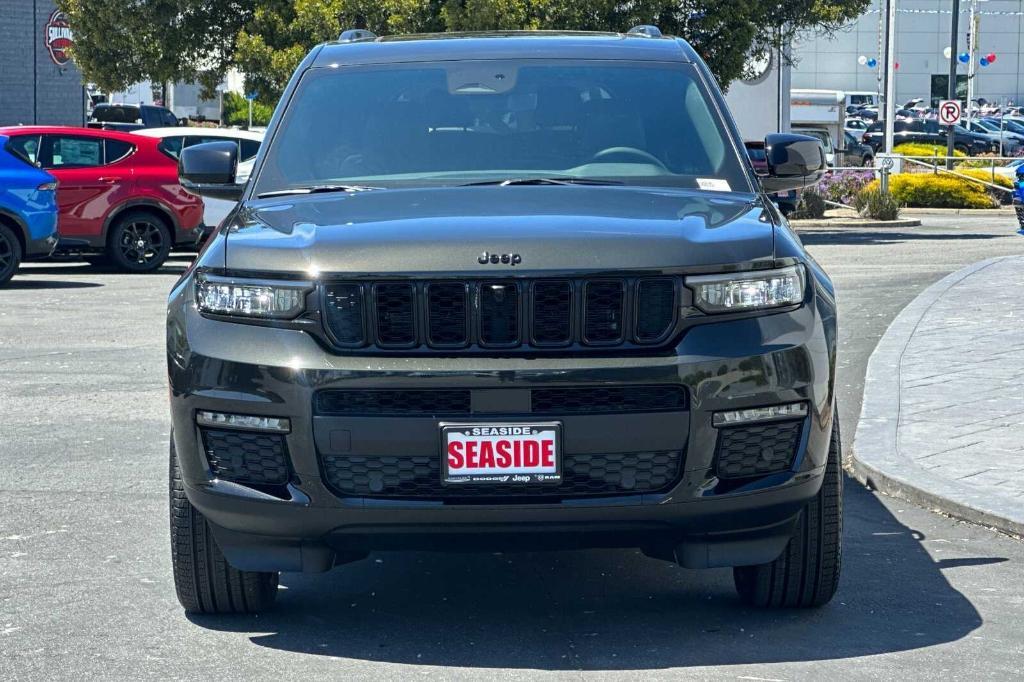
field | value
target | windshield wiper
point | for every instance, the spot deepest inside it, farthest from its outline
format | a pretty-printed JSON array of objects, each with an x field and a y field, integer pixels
[
  {"x": 316, "y": 189},
  {"x": 542, "y": 181}
]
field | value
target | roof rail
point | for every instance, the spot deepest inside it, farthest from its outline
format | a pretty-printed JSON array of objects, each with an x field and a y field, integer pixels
[
  {"x": 646, "y": 30},
  {"x": 354, "y": 34}
]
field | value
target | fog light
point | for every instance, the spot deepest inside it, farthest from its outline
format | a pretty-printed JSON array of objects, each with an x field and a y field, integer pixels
[
  {"x": 759, "y": 414},
  {"x": 243, "y": 421}
]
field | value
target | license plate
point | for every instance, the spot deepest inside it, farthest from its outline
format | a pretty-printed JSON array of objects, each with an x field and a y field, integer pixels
[{"x": 501, "y": 453}]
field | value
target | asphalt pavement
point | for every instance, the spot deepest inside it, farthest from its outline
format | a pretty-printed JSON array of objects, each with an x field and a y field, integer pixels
[{"x": 85, "y": 583}]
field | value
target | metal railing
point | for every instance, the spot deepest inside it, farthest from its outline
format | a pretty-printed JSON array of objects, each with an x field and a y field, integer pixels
[{"x": 932, "y": 164}]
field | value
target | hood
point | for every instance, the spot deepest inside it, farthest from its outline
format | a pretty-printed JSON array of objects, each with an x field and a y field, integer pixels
[{"x": 551, "y": 228}]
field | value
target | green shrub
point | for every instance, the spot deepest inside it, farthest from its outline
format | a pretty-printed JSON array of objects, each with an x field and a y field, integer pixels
[
  {"x": 980, "y": 163},
  {"x": 920, "y": 149},
  {"x": 930, "y": 190},
  {"x": 811, "y": 206},
  {"x": 998, "y": 196},
  {"x": 877, "y": 205},
  {"x": 236, "y": 111}
]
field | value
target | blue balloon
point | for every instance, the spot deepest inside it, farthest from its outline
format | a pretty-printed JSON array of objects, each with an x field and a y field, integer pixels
[
  {"x": 984, "y": 62},
  {"x": 964, "y": 57},
  {"x": 872, "y": 63}
]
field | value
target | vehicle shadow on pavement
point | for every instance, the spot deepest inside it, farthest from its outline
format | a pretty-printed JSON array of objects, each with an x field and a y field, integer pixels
[
  {"x": 612, "y": 610},
  {"x": 855, "y": 236},
  {"x": 21, "y": 283},
  {"x": 174, "y": 266}
]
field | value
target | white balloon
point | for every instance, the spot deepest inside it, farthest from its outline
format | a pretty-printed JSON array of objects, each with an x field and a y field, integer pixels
[
  {"x": 948, "y": 53},
  {"x": 862, "y": 60}
]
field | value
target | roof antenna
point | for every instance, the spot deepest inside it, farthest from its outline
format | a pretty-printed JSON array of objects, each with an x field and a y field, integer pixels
[
  {"x": 354, "y": 34},
  {"x": 645, "y": 30}
]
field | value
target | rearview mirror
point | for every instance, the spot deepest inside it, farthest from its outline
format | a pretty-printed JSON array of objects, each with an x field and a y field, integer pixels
[
  {"x": 794, "y": 161},
  {"x": 209, "y": 170}
]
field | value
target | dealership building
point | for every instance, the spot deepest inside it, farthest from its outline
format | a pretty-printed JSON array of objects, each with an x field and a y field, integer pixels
[
  {"x": 39, "y": 84},
  {"x": 922, "y": 34}
]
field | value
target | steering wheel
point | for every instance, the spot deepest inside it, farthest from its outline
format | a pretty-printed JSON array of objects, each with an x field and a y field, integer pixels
[{"x": 630, "y": 151}]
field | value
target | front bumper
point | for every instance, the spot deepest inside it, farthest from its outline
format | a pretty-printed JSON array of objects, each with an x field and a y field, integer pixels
[{"x": 241, "y": 369}]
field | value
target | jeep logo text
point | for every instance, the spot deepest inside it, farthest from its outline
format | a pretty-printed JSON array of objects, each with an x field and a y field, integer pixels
[{"x": 495, "y": 258}]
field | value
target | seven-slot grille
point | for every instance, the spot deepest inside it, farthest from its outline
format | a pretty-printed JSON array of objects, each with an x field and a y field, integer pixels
[{"x": 502, "y": 313}]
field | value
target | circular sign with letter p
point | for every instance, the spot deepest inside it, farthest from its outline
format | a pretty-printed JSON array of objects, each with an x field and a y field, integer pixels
[{"x": 949, "y": 112}]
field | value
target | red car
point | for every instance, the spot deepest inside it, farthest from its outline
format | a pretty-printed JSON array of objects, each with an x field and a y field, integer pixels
[{"x": 117, "y": 193}]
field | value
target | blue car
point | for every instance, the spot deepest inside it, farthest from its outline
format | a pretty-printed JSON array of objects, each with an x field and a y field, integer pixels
[{"x": 28, "y": 208}]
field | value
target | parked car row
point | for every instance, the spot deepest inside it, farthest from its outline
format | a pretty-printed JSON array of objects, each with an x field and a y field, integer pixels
[
  {"x": 102, "y": 193},
  {"x": 926, "y": 131}
]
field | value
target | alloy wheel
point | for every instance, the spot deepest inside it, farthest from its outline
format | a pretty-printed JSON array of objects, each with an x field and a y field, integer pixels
[{"x": 141, "y": 242}]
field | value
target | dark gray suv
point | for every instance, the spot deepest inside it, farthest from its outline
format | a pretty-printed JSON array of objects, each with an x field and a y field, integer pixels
[{"x": 509, "y": 291}]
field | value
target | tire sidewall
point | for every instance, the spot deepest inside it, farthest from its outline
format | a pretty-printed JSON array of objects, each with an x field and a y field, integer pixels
[{"x": 7, "y": 236}]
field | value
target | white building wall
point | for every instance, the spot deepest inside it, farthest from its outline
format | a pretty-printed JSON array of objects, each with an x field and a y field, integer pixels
[{"x": 922, "y": 33}]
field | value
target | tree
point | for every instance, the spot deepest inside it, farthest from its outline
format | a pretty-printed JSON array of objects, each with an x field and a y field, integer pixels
[
  {"x": 723, "y": 32},
  {"x": 119, "y": 43}
]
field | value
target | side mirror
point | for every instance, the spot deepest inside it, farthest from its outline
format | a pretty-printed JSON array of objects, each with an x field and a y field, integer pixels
[
  {"x": 794, "y": 161},
  {"x": 209, "y": 170}
]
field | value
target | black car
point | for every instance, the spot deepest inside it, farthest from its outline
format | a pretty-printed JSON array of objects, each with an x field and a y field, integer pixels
[
  {"x": 856, "y": 153},
  {"x": 927, "y": 131},
  {"x": 514, "y": 294},
  {"x": 128, "y": 117}
]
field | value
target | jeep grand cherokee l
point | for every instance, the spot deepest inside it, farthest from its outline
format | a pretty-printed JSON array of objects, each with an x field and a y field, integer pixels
[{"x": 508, "y": 291}]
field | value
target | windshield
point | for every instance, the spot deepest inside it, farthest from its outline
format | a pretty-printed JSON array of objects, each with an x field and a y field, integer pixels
[{"x": 454, "y": 123}]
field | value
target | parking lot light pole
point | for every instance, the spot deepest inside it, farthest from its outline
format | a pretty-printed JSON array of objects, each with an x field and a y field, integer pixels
[
  {"x": 951, "y": 91},
  {"x": 889, "y": 101}
]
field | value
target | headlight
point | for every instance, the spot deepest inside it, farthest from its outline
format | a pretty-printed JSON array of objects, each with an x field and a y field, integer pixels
[
  {"x": 737, "y": 292},
  {"x": 251, "y": 298}
]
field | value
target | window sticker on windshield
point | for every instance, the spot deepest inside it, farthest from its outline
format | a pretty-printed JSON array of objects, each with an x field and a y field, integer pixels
[{"x": 714, "y": 184}]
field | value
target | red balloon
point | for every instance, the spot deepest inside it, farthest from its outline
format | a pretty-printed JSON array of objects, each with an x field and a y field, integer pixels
[{"x": 991, "y": 57}]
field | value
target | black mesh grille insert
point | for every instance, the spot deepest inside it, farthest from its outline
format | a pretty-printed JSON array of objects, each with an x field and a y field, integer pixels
[
  {"x": 447, "y": 314},
  {"x": 603, "y": 313},
  {"x": 499, "y": 314},
  {"x": 544, "y": 401},
  {"x": 344, "y": 310},
  {"x": 552, "y": 312},
  {"x": 246, "y": 457},
  {"x": 583, "y": 475},
  {"x": 655, "y": 309},
  {"x": 614, "y": 399},
  {"x": 396, "y": 319},
  {"x": 745, "y": 451},
  {"x": 415, "y": 402}
]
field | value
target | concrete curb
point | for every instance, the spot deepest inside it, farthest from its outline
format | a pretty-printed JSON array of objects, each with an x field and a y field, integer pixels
[
  {"x": 876, "y": 459},
  {"x": 833, "y": 223},
  {"x": 1002, "y": 210}
]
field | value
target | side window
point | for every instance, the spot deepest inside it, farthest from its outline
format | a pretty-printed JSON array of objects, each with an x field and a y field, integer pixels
[
  {"x": 116, "y": 150},
  {"x": 171, "y": 146},
  {"x": 66, "y": 151},
  {"x": 849, "y": 139},
  {"x": 169, "y": 119},
  {"x": 249, "y": 149},
  {"x": 25, "y": 147}
]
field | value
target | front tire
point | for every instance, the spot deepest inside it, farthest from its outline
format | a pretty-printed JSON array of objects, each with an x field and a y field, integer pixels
[
  {"x": 10, "y": 254},
  {"x": 139, "y": 242},
  {"x": 806, "y": 574},
  {"x": 204, "y": 580}
]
